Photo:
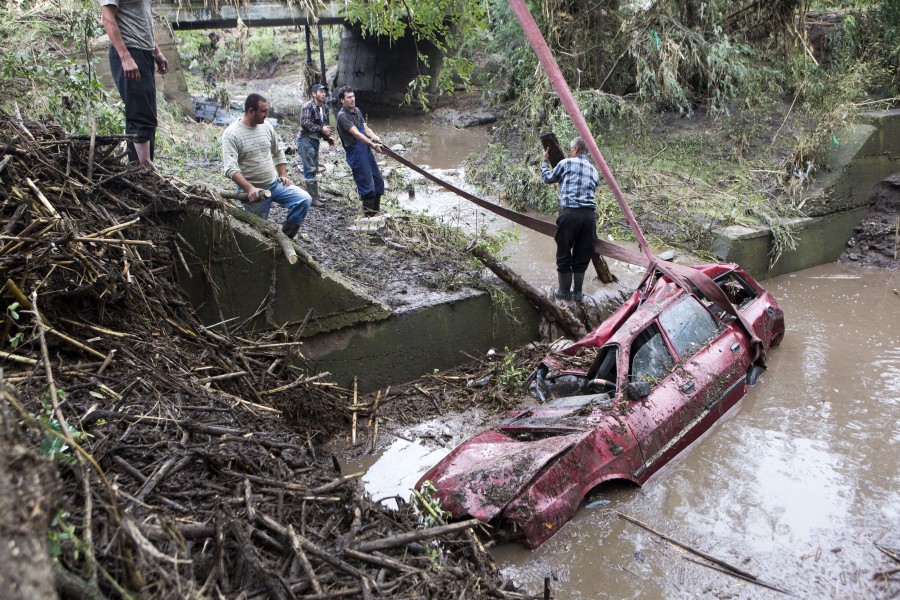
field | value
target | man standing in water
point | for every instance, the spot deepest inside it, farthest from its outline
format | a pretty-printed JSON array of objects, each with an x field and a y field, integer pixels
[
  {"x": 313, "y": 127},
  {"x": 255, "y": 162},
  {"x": 133, "y": 54},
  {"x": 576, "y": 226},
  {"x": 357, "y": 138}
]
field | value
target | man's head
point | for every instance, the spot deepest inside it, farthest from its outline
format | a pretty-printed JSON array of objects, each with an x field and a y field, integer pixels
[
  {"x": 577, "y": 146},
  {"x": 256, "y": 109},
  {"x": 318, "y": 93},
  {"x": 347, "y": 97}
]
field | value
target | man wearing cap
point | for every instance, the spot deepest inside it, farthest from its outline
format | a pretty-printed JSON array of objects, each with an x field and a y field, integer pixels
[
  {"x": 133, "y": 54},
  {"x": 357, "y": 138},
  {"x": 253, "y": 159},
  {"x": 313, "y": 127}
]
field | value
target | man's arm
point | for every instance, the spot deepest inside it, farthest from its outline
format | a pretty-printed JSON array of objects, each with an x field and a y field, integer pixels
[
  {"x": 108, "y": 14},
  {"x": 230, "y": 162},
  {"x": 554, "y": 175}
]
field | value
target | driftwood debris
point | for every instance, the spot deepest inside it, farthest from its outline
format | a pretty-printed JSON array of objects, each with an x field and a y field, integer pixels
[
  {"x": 551, "y": 310},
  {"x": 184, "y": 450}
]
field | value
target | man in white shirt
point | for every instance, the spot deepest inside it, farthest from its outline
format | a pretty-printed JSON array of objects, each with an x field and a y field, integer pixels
[{"x": 254, "y": 160}]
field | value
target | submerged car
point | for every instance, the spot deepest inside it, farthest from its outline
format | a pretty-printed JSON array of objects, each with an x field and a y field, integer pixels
[{"x": 617, "y": 405}]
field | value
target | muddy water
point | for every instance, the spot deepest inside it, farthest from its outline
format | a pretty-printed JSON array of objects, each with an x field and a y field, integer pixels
[{"x": 796, "y": 485}]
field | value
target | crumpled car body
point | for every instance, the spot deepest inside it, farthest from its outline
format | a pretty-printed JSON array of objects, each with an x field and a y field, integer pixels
[{"x": 668, "y": 364}]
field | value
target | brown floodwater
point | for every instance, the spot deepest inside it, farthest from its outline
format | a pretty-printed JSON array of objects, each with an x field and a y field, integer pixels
[{"x": 797, "y": 485}]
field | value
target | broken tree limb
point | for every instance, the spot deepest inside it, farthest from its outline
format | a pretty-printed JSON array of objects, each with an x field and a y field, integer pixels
[
  {"x": 291, "y": 252},
  {"x": 414, "y": 536},
  {"x": 242, "y": 196},
  {"x": 572, "y": 327},
  {"x": 603, "y": 272},
  {"x": 731, "y": 568}
]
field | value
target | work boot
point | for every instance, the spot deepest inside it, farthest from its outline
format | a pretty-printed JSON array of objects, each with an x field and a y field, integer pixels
[
  {"x": 369, "y": 206},
  {"x": 565, "y": 284},
  {"x": 312, "y": 186},
  {"x": 579, "y": 282},
  {"x": 377, "y": 204},
  {"x": 290, "y": 229}
]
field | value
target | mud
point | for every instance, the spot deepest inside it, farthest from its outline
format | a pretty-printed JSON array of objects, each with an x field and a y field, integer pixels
[{"x": 876, "y": 240}]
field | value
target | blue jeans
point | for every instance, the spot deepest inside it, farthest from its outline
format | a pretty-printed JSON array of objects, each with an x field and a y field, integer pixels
[
  {"x": 308, "y": 147},
  {"x": 365, "y": 170},
  {"x": 294, "y": 199}
]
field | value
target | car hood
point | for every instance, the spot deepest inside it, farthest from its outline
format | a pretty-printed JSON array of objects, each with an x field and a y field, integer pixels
[{"x": 485, "y": 473}]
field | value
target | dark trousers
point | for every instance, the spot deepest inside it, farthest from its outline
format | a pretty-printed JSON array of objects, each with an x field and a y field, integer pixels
[
  {"x": 576, "y": 229},
  {"x": 365, "y": 170},
  {"x": 139, "y": 98}
]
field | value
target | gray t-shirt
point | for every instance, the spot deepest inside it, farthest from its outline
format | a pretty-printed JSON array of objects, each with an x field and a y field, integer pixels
[{"x": 135, "y": 22}]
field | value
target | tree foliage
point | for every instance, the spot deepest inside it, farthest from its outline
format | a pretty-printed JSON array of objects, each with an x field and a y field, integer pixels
[{"x": 444, "y": 24}]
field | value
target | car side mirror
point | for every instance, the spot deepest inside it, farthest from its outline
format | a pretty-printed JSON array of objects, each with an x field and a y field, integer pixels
[{"x": 637, "y": 390}]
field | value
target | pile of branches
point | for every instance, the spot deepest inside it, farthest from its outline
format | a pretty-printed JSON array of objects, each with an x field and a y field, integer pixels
[{"x": 181, "y": 475}]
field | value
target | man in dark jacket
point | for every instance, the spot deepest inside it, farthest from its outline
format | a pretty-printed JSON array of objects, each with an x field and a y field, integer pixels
[{"x": 313, "y": 127}]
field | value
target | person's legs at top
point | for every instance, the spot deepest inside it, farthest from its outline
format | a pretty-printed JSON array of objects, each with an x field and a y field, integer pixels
[
  {"x": 377, "y": 183},
  {"x": 585, "y": 232},
  {"x": 139, "y": 97}
]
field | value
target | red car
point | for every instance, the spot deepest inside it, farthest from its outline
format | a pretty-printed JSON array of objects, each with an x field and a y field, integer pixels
[{"x": 665, "y": 366}]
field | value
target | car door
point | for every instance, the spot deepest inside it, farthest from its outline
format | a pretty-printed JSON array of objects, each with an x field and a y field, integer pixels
[
  {"x": 653, "y": 419},
  {"x": 713, "y": 360}
]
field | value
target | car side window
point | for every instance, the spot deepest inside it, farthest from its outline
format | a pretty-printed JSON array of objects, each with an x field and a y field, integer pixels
[
  {"x": 650, "y": 358},
  {"x": 689, "y": 326}
]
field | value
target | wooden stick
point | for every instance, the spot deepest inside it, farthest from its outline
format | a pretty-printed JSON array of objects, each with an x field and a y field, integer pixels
[
  {"x": 381, "y": 561},
  {"x": 42, "y": 198},
  {"x": 712, "y": 559},
  {"x": 353, "y": 430},
  {"x": 303, "y": 560},
  {"x": 415, "y": 536},
  {"x": 90, "y": 165},
  {"x": 737, "y": 575}
]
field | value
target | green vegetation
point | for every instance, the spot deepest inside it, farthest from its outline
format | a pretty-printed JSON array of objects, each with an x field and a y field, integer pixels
[
  {"x": 46, "y": 69},
  {"x": 709, "y": 113}
]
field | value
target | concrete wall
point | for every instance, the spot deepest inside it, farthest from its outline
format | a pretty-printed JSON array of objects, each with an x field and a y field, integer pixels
[
  {"x": 348, "y": 332},
  {"x": 838, "y": 200}
]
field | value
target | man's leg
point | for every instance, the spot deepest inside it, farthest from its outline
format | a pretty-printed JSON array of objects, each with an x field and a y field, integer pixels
[
  {"x": 309, "y": 156},
  {"x": 139, "y": 98},
  {"x": 377, "y": 183},
  {"x": 583, "y": 249},
  {"x": 296, "y": 201},
  {"x": 564, "y": 241},
  {"x": 358, "y": 157}
]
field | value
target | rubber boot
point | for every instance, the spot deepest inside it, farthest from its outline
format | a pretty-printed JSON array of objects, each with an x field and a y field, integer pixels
[
  {"x": 369, "y": 206},
  {"x": 290, "y": 229},
  {"x": 579, "y": 282},
  {"x": 565, "y": 284},
  {"x": 377, "y": 204},
  {"x": 312, "y": 187}
]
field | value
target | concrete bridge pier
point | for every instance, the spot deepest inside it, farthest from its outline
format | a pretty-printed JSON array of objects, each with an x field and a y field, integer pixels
[{"x": 378, "y": 70}]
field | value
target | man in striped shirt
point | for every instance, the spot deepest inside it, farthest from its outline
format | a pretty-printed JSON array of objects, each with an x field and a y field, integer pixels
[
  {"x": 576, "y": 226},
  {"x": 254, "y": 160}
]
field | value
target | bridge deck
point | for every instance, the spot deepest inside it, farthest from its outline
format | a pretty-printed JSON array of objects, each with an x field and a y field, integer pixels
[{"x": 254, "y": 13}]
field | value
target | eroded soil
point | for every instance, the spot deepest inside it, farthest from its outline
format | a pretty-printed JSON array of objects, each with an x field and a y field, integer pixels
[{"x": 876, "y": 240}]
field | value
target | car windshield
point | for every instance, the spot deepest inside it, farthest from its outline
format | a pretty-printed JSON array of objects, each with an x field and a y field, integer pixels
[{"x": 688, "y": 325}]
